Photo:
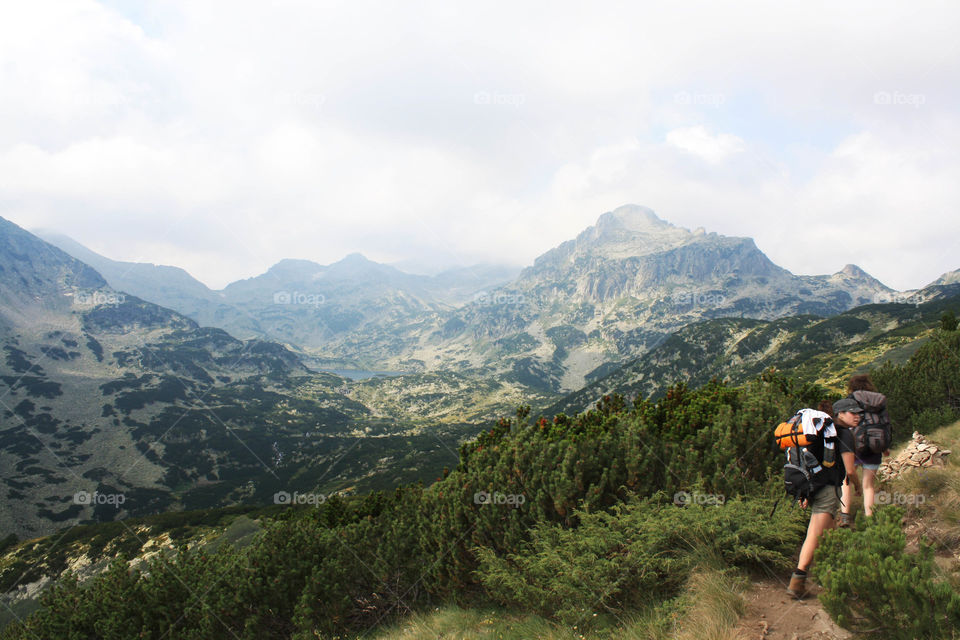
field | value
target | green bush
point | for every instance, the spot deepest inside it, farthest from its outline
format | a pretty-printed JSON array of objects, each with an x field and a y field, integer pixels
[
  {"x": 7, "y": 542},
  {"x": 948, "y": 321},
  {"x": 871, "y": 584},
  {"x": 637, "y": 553},
  {"x": 924, "y": 393},
  {"x": 594, "y": 532}
]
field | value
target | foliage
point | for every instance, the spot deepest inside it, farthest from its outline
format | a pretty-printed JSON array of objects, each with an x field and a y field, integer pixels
[
  {"x": 8, "y": 542},
  {"x": 355, "y": 562},
  {"x": 948, "y": 321},
  {"x": 565, "y": 515},
  {"x": 872, "y": 584},
  {"x": 642, "y": 551},
  {"x": 924, "y": 393}
]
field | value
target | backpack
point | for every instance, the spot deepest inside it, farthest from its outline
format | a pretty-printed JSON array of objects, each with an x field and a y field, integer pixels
[
  {"x": 874, "y": 433},
  {"x": 809, "y": 458}
]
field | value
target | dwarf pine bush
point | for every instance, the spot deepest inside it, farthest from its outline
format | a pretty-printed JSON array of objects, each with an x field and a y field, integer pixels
[
  {"x": 871, "y": 583},
  {"x": 643, "y": 551}
]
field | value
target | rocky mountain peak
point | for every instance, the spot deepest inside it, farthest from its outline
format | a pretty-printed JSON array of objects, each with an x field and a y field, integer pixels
[
  {"x": 627, "y": 231},
  {"x": 33, "y": 269},
  {"x": 631, "y": 230},
  {"x": 630, "y": 217},
  {"x": 853, "y": 271},
  {"x": 853, "y": 276},
  {"x": 950, "y": 277},
  {"x": 356, "y": 258}
]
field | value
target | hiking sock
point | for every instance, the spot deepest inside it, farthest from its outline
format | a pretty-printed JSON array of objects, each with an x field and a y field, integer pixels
[{"x": 800, "y": 573}]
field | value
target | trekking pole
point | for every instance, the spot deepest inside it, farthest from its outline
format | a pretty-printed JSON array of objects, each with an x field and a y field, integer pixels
[{"x": 775, "y": 504}]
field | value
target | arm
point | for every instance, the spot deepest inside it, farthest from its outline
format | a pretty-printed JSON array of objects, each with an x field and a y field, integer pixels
[{"x": 851, "y": 470}]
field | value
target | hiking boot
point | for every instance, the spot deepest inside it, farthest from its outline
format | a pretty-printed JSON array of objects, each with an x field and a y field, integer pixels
[
  {"x": 798, "y": 585},
  {"x": 846, "y": 521}
]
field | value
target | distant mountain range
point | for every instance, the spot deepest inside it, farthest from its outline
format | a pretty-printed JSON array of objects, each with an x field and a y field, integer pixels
[
  {"x": 583, "y": 308},
  {"x": 137, "y": 379},
  {"x": 299, "y": 302},
  {"x": 103, "y": 394},
  {"x": 811, "y": 348}
]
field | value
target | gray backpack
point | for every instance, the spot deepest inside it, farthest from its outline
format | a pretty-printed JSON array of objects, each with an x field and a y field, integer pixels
[{"x": 874, "y": 433}]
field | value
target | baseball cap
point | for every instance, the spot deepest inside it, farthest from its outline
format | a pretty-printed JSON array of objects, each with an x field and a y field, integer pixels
[{"x": 847, "y": 404}]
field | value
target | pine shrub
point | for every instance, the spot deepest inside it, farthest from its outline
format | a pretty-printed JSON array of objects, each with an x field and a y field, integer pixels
[
  {"x": 872, "y": 585},
  {"x": 637, "y": 553}
]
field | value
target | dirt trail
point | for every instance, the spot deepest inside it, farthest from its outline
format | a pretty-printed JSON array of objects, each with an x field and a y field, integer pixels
[{"x": 773, "y": 615}]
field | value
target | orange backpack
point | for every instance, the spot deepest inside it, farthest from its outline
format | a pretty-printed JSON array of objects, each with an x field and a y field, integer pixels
[
  {"x": 790, "y": 434},
  {"x": 809, "y": 458}
]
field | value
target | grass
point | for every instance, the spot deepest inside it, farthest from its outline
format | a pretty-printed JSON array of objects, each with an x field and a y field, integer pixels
[
  {"x": 718, "y": 605},
  {"x": 470, "y": 624},
  {"x": 933, "y": 513},
  {"x": 708, "y": 609}
]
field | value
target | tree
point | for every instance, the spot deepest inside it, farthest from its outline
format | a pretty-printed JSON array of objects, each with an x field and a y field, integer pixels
[{"x": 948, "y": 321}]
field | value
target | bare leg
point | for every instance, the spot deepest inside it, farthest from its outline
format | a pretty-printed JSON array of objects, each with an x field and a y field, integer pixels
[
  {"x": 869, "y": 491},
  {"x": 846, "y": 495},
  {"x": 819, "y": 522}
]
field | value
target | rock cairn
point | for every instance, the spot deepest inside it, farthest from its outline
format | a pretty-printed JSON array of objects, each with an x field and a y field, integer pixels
[{"x": 921, "y": 452}]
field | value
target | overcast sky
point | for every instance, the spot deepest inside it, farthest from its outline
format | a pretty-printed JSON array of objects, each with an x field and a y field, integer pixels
[{"x": 224, "y": 136}]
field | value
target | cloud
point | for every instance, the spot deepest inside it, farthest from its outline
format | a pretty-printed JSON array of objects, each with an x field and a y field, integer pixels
[
  {"x": 223, "y": 137},
  {"x": 698, "y": 141}
]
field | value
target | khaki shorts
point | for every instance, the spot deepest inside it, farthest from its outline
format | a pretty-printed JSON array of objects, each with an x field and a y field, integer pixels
[{"x": 826, "y": 500}]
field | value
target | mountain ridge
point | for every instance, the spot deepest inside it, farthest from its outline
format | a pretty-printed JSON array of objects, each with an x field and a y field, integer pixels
[
  {"x": 107, "y": 394},
  {"x": 610, "y": 294}
]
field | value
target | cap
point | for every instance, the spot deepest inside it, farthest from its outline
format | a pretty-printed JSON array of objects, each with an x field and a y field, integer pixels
[{"x": 847, "y": 404}]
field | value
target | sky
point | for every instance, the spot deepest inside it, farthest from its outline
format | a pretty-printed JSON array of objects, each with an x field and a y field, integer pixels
[{"x": 222, "y": 137}]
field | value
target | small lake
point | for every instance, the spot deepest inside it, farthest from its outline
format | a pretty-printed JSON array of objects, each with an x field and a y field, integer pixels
[{"x": 360, "y": 374}]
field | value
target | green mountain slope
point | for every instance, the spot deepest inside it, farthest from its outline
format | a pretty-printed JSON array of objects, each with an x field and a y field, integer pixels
[
  {"x": 822, "y": 350},
  {"x": 586, "y": 521},
  {"x": 111, "y": 406},
  {"x": 609, "y": 295}
]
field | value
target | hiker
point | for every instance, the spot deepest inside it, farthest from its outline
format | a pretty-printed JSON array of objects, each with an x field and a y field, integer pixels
[
  {"x": 824, "y": 502},
  {"x": 851, "y": 412},
  {"x": 861, "y": 389}
]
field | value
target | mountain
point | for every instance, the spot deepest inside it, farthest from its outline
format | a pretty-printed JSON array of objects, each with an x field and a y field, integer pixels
[
  {"x": 611, "y": 294},
  {"x": 949, "y": 278},
  {"x": 337, "y": 309},
  {"x": 631, "y": 253},
  {"x": 811, "y": 348},
  {"x": 104, "y": 394},
  {"x": 616, "y": 291},
  {"x": 167, "y": 286},
  {"x": 311, "y": 305}
]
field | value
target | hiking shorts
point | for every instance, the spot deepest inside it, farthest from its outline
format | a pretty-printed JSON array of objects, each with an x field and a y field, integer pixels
[{"x": 825, "y": 500}]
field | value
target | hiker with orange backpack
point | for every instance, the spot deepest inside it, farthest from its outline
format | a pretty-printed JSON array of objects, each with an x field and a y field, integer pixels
[{"x": 812, "y": 443}]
